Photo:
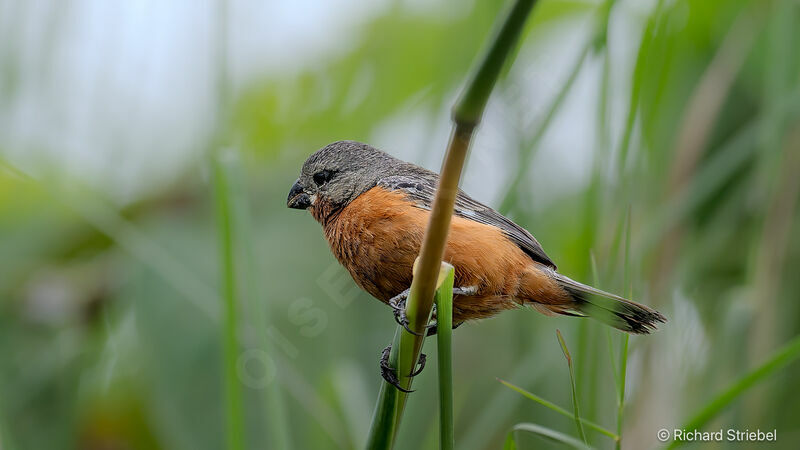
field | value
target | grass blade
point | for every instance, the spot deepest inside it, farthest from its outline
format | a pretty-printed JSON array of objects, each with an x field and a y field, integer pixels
[
  {"x": 255, "y": 308},
  {"x": 531, "y": 144},
  {"x": 559, "y": 409},
  {"x": 549, "y": 434},
  {"x": 779, "y": 359},
  {"x": 642, "y": 59},
  {"x": 623, "y": 368},
  {"x": 623, "y": 353},
  {"x": 575, "y": 407},
  {"x": 234, "y": 412},
  {"x": 444, "y": 339},
  {"x": 233, "y": 391}
]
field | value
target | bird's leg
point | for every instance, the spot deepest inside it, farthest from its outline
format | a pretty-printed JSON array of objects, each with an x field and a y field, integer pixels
[
  {"x": 468, "y": 290},
  {"x": 390, "y": 374},
  {"x": 433, "y": 329},
  {"x": 398, "y": 304}
]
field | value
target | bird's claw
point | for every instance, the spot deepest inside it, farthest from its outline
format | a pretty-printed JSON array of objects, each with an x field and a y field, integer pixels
[
  {"x": 398, "y": 305},
  {"x": 433, "y": 328},
  {"x": 421, "y": 364},
  {"x": 389, "y": 374}
]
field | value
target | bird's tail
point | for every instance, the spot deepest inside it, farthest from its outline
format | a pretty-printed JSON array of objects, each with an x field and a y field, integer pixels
[{"x": 610, "y": 309}]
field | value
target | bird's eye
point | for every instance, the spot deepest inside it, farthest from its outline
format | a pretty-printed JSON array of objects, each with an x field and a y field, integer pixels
[{"x": 322, "y": 177}]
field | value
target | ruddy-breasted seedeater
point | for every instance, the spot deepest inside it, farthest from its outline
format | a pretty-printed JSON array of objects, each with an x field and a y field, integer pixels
[{"x": 374, "y": 209}]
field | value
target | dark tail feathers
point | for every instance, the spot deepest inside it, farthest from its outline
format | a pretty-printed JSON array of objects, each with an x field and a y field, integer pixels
[{"x": 610, "y": 309}]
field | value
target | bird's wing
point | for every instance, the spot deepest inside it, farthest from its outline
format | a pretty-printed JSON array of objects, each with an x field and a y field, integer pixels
[{"x": 421, "y": 188}]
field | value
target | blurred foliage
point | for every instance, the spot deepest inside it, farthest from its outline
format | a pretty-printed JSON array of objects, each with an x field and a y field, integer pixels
[{"x": 109, "y": 315}]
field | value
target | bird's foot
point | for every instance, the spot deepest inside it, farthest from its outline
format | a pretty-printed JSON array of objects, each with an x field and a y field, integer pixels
[
  {"x": 433, "y": 328},
  {"x": 398, "y": 305},
  {"x": 390, "y": 374},
  {"x": 465, "y": 291}
]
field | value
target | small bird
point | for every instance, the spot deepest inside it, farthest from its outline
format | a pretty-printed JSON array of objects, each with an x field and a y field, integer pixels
[{"x": 374, "y": 210}]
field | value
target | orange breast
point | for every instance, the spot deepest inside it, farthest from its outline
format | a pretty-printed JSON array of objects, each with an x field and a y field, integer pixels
[{"x": 378, "y": 236}]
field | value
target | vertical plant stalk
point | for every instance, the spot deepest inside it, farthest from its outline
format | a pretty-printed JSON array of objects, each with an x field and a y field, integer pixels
[
  {"x": 623, "y": 352},
  {"x": 233, "y": 393},
  {"x": 623, "y": 371},
  {"x": 467, "y": 114},
  {"x": 386, "y": 416},
  {"x": 588, "y": 350},
  {"x": 701, "y": 113},
  {"x": 234, "y": 412},
  {"x": 575, "y": 408},
  {"x": 255, "y": 308},
  {"x": 403, "y": 356},
  {"x": 636, "y": 83},
  {"x": 444, "y": 340},
  {"x": 594, "y": 43},
  {"x": 532, "y": 144}
]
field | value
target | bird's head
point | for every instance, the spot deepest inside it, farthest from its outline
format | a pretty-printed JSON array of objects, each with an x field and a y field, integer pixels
[{"x": 335, "y": 175}]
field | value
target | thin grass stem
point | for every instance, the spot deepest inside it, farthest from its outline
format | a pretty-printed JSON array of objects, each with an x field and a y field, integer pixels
[
  {"x": 623, "y": 353},
  {"x": 531, "y": 144},
  {"x": 256, "y": 309},
  {"x": 575, "y": 407},
  {"x": 558, "y": 409},
  {"x": 233, "y": 394}
]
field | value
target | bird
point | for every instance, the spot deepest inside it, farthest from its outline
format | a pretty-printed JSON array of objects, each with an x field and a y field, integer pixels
[{"x": 374, "y": 209}]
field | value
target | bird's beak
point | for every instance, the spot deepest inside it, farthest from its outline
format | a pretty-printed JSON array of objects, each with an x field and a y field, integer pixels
[{"x": 298, "y": 199}]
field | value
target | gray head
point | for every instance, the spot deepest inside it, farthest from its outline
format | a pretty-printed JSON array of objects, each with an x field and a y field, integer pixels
[{"x": 336, "y": 174}]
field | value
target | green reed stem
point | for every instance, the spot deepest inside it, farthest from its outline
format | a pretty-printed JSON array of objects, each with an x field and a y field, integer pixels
[
  {"x": 623, "y": 353},
  {"x": 233, "y": 393},
  {"x": 444, "y": 340},
  {"x": 427, "y": 272}
]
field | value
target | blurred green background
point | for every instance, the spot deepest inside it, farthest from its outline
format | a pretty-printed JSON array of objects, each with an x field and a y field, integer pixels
[{"x": 680, "y": 118}]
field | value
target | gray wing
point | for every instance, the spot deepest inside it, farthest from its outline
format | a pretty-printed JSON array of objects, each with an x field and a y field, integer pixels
[{"x": 421, "y": 188}]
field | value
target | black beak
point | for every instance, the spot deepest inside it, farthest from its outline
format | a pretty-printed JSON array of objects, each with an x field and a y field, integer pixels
[{"x": 298, "y": 199}]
